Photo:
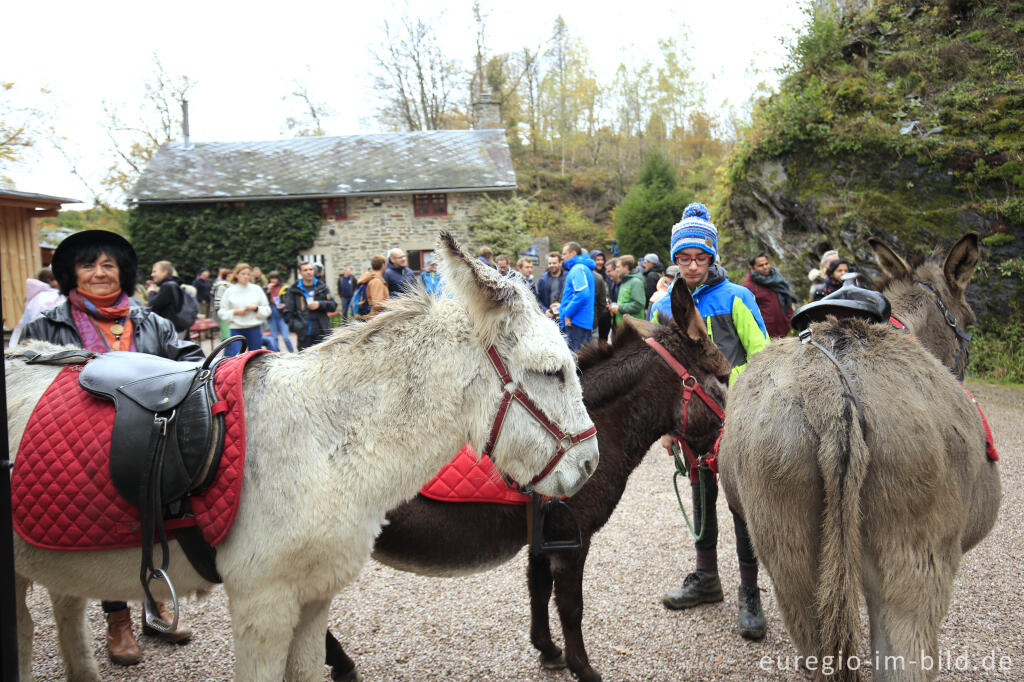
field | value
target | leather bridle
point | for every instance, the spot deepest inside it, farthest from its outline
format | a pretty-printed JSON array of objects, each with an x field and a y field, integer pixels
[
  {"x": 511, "y": 391},
  {"x": 690, "y": 387},
  {"x": 962, "y": 337}
]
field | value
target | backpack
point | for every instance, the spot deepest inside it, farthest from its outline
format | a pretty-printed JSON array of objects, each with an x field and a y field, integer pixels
[
  {"x": 188, "y": 312},
  {"x": 359, "y": 305}
]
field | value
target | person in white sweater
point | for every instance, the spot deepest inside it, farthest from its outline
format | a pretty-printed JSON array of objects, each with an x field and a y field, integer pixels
[{"x": 244, "y": 306}]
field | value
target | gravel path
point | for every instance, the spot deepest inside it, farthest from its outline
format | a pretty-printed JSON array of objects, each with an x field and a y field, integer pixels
[{"x": 399, "y": 626}]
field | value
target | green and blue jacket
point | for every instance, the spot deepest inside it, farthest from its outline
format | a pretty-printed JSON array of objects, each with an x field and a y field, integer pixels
[{"x": 731, "y": 314}]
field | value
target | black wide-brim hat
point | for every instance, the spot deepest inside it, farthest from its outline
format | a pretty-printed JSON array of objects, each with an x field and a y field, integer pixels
[{"x": 64, "y": 255}]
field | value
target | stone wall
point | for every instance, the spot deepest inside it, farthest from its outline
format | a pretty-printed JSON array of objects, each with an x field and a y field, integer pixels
[{"x": 378, "y": 223}]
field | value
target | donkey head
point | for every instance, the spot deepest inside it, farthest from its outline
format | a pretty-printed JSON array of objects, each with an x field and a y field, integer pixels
[
  {"x": 928, "y": 296},
  {"x": 543, "y": 396},
  {"x": 693, "y": 347}
]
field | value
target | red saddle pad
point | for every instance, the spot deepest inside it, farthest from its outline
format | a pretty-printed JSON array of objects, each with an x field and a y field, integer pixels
[
  {"x": 468, "y": 478},
  {"x": 61, "y": 493}
]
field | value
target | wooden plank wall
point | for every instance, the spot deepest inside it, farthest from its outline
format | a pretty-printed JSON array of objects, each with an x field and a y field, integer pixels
[{"x": 19, "y": 248}]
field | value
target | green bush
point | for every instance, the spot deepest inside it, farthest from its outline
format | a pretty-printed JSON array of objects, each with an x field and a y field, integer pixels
[
  {"x": 500, "y": 226},
  {"x": 268, "y": 234},
  {"x": 998, "y": 354}
]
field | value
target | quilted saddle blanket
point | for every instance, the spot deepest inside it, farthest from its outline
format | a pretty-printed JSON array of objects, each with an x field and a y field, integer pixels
[
  {"x": 469, "y": 478},
  {"x": 62, "y": 496}
]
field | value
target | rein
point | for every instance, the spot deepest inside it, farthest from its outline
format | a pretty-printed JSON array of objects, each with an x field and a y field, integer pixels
[
  {"x": 695, "y": 464},
  {"x": 962, "y": 337},
  {"x": 511, "y": 392}
]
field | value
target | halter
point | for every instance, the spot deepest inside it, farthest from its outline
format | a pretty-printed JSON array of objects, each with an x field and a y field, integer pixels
[
  {"x": 511, "y": 392},
  {"x": 962, "y": 337},
  {"x": 691, "y": 386}
]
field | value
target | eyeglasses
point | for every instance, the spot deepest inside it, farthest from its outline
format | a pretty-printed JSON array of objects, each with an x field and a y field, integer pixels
[{"x": 684, "y": 260}]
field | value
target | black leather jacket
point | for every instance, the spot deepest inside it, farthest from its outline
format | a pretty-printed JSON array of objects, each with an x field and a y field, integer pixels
[{"x": 153, "y": 334}]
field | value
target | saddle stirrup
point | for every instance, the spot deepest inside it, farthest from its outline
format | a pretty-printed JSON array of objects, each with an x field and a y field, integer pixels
[{"x": 153, "y": 521}]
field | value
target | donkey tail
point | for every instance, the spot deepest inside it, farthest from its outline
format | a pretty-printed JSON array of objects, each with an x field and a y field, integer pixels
[{"x": 843, "y": 460}]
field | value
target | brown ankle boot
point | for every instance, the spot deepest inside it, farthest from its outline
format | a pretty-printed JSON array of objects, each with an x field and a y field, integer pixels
[
  {"x": 180, "y": 635},
  {"x": 121, "y": 645}
]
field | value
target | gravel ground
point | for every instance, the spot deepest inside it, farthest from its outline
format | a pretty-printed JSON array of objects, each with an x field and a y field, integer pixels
[{"x": 399, "y": 626}]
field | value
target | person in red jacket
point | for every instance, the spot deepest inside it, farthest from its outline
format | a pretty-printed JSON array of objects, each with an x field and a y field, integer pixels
[{"x": 773, "y": 293}]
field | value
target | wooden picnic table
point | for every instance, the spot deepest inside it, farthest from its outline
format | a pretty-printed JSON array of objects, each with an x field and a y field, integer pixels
[{"x": 206, "y": 329}]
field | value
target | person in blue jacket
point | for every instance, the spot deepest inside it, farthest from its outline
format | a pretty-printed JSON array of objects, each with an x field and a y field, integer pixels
[
  {"x": 430, "y": 277},
  {"x": 734, "y": 323},
  {"x": 576, "y": 310}
]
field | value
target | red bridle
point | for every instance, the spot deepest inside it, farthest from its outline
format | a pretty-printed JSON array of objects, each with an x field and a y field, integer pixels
[
  {"x": 691, "y": 386},
  {"x": 513, "y": 392}
]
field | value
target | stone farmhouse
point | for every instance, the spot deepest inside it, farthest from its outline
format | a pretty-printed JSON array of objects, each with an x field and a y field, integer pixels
[{"x": 375, "y": 191}]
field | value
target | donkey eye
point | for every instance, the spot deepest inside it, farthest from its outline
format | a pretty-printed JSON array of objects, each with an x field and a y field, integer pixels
[{"x": 555, "y": 374}]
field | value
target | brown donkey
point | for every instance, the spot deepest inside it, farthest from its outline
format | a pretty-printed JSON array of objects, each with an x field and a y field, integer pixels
[
  {"x": 633, "y": 397},
  {"x": 880, "y": 485}
]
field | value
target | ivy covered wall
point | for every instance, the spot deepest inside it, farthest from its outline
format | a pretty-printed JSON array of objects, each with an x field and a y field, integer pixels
[{"x": 192, "y": 236}]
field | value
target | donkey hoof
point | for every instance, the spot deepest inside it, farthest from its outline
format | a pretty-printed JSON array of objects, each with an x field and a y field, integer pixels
[
  {"x": 351, "y": 675},
  {"x": 553, "y": 662}
]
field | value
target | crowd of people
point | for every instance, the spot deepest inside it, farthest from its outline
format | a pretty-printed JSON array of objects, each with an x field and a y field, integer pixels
[{"x": 90, "y": 299}]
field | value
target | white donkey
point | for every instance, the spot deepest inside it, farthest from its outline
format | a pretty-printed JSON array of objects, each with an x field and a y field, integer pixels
[{"x": 338, "y": 435}]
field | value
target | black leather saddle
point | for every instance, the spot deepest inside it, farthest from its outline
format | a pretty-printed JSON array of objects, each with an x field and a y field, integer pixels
[
  {"x": 166, "y": 445},
  {"x": 849, "y": 300},
  {"x": 160, "y": 404}
]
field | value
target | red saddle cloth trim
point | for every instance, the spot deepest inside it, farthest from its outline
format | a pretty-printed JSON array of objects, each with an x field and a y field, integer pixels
[
  {"x": 61, "y": 494},
  {"x": 990, "y": 446},
  {"x": 468, "y": 478}
]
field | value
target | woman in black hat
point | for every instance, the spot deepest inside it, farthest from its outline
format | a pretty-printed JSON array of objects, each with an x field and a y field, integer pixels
[{"x": 96, "y": 270}]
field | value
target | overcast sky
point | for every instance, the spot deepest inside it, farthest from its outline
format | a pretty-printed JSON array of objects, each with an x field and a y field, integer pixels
[{"x": 244, "y": 57}]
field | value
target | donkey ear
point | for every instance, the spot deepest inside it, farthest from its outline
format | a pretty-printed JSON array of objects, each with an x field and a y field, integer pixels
[
  {"x": 477, "y": 285},
  {"x": 960, "y": 263},
  {"x": 684, "y": 312},
  {"x": 892, "y": 265}
]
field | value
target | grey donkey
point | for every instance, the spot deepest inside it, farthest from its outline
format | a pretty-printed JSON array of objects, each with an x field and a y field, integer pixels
[{"x": 879, "y": 486}]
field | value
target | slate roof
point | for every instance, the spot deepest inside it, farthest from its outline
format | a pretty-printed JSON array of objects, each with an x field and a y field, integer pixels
[{"x": 435, "y": 160}]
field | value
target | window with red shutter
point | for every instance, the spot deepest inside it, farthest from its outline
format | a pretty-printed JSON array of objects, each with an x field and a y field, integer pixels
[{"x": 424, "y": 205}]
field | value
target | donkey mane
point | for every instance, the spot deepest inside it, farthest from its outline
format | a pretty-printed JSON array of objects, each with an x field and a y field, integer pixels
[
  {"x": 414, "y": 302},
  {"x": 593, "y": 354}
]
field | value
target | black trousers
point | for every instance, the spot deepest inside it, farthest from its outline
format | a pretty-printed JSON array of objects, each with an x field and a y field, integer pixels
[{"x": 744, "y": 550}]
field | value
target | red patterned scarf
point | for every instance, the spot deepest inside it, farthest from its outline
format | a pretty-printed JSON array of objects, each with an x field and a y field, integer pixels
[{"x": 96, "y": 318}]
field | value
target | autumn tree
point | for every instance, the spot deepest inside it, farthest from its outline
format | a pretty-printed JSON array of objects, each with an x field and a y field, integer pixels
[
  {"x": 20, "y": 129},
  {"x": 417, "y": 82},
  {"x": 308, "y": 121},
  {"x": 155, "y": 120}
]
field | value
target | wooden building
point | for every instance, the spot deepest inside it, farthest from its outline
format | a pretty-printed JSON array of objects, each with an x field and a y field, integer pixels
[{"x": 20, "y": 256}]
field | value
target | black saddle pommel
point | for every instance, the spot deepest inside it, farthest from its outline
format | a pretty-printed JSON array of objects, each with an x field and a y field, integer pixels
[{"x": 848, "y": 301}]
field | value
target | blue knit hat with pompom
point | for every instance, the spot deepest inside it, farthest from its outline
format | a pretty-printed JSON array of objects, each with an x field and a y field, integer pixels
[{"x": 695, "y": 230}]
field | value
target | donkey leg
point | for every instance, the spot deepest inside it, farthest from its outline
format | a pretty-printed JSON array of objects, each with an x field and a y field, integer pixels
[
  {"x": 343, "y": 668},
  {"x": 26, "y": 629},
  {"x": 907, "y": 597},
  {"x": 568, "y": 572},
  {"x": 305, "y": 656},
  {"x": 262, "y": 624},
  {"x": 74, "y": 637},
  {"x": 788, "y": 550},
  {"x": 538, "y": 578}
]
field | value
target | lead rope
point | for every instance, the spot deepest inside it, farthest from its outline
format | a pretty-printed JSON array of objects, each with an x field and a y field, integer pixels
[{"x": 682, "y": 471}]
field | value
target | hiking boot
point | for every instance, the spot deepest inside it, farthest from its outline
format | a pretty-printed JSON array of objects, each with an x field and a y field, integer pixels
[
  {"x": 121, "y": 645},
  {"x": 751, "y": 618},
  {"x": 698, "y": 588},
  {"x": 180, "y": 635}
]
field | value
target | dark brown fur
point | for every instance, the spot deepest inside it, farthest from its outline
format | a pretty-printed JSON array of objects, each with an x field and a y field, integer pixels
[
  {"x": 633, "y": 397},
  {"x": 833, "y": 510}
]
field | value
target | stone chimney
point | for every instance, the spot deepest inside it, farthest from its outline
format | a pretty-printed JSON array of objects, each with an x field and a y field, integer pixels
[{"x": 486, "y": 111}]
